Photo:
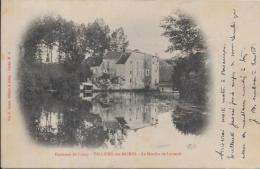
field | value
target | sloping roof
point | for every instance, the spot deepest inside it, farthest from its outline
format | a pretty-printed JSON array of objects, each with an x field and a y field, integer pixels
[
  {"x": 123, "y": 58},
  {"x": 112, "y": 55}
]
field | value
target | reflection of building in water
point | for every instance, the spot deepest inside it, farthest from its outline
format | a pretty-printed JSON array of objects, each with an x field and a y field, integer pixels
[
  {"x": 101, "y": 123},
  {"x": 151, "y": 112},
  {"x": 135, "y": 109}
]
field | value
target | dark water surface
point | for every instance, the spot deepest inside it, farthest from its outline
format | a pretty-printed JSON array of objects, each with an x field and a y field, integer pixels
[{"x": 108, "y": 119}]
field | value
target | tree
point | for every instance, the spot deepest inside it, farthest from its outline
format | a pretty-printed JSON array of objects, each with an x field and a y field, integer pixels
[
  {"x": 72, "y": 45},
  {"x": 84, "y": 71},
  {"x": 189, "y": 72},
  {"x": 97, "y": 37},
  {"x": 51, "y": 31},
  {"x": 183, "y": 33},
  {"x": 43, "y": 31},
  {"x": 119, "y": 40},
  {"x": 43, "y": 35}
]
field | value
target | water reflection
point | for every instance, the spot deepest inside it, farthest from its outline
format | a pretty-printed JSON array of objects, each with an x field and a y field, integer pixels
[
  {"x": 105, "y": 120},
  {"x": 189, "y": 120},
  {"x": 135, "y": 110}
]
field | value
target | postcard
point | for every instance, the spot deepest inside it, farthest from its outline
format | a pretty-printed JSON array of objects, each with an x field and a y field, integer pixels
[{"x": 130, "y": 84}]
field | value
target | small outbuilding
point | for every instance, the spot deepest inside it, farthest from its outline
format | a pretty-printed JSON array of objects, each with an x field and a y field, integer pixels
[{"x": 166, "y": 87}]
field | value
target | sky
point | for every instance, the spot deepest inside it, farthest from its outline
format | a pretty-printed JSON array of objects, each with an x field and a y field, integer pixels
[{"x": 139, "y": 19}]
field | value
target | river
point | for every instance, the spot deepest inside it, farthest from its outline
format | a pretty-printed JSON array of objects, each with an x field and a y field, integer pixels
[{"x": 114, "y": 119}]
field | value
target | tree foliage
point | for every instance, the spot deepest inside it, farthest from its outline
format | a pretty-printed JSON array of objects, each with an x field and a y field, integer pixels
[
  {"x": 38, "y": 77},
  {"x": 97, "y": 37},
  {"x": 189, "y": 75},
  {"x": 182, "y": 33},
  {"x": 55, "y": 31},
  {"x": 73, "y": 42},
  {"x": 119, "y": 40}
]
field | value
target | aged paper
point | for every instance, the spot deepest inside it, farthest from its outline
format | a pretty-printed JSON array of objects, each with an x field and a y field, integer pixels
[{"x": 130, "y": 84}]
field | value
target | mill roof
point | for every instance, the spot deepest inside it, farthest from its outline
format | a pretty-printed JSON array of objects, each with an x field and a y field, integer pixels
[
  {"x": 123, "y": 58},
  {"x": 112, "y": 55}
]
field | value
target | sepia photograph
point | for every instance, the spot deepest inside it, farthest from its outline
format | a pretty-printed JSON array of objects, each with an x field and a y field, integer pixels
[
  {"x": 82, "y": 84},
  {"x": 130, "y": 84}
]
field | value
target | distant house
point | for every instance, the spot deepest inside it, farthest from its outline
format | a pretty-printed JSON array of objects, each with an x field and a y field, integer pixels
[
  {"x": 166, "y": 87},
  {"x": 139, "y": 70},
  {"x": 130, "y": 70},
  {"x": 106, "y": 65},
  {"x": 152, "y": 71}
]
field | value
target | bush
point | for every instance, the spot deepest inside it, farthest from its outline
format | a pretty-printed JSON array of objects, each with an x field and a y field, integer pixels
[{"x": 190, "y": 78}]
